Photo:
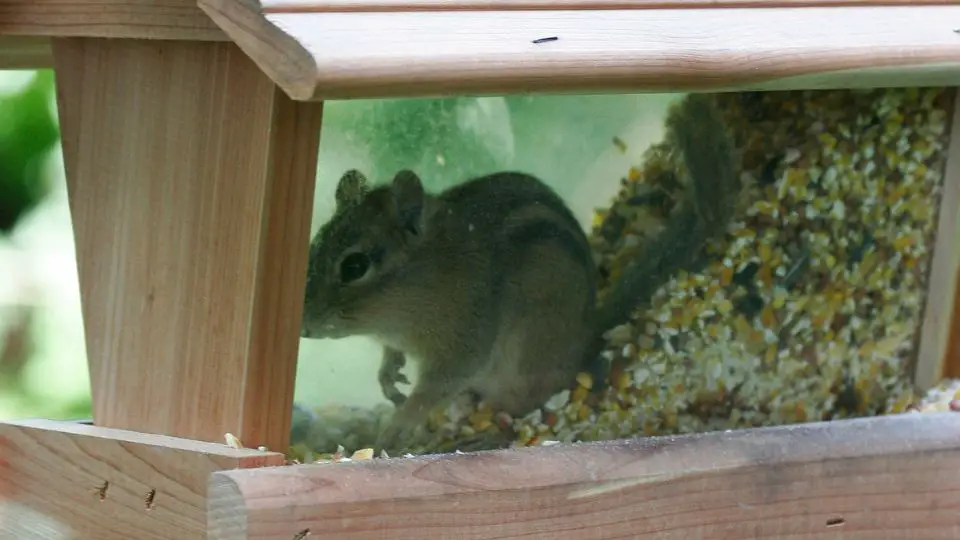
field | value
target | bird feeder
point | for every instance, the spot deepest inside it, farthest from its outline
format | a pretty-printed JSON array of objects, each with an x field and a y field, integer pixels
[{"x": 190, "y": 135}]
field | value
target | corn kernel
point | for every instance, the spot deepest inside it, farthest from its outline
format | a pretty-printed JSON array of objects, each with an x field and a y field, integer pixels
[{"x": 363, "y": 454}]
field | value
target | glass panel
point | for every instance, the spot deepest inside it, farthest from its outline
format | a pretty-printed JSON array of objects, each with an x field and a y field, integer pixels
[{"x": 771, "y": 250}]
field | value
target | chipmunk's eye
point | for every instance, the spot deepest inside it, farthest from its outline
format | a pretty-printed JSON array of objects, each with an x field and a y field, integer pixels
[{"x": 354, "y": 267}]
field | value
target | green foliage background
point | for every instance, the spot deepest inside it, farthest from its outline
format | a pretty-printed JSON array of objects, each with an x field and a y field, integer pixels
[
  {"x": 28, "y": 131},
  {"x": 30, "y": 384}
]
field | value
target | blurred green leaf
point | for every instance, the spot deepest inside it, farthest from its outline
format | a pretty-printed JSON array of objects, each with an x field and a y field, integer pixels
[{"x": 28, "y": 131}]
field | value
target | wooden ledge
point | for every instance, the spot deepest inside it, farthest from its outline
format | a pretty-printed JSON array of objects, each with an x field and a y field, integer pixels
[
  {"x": 886, "y": 477},
  {"x": 62, "y": 480},
  {"x": 326, "y": 55}
]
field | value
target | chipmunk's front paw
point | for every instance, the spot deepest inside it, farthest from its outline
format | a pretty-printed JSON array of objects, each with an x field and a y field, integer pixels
[
  {"x": 388, "y": 376},
  {"x": 388, "y": 386}
]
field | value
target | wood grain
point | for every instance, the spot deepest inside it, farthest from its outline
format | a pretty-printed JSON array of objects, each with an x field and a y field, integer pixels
[
  {"x": 951, "y": 359},
  {"x": 317, "y": 6},
  {"x": 889, "y": 478},
  {"x": 146, "y": 19},
  {"x": 18, "y": 52},
  {"x": 939, "y": 353},
  {"x": 360, "y": 55},
  {"x": 191, "y": 182},
  {"x": 51, "y": 475}
]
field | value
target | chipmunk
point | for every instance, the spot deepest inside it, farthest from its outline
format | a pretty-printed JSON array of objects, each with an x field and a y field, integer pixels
[{"x": 491, "y": 284}]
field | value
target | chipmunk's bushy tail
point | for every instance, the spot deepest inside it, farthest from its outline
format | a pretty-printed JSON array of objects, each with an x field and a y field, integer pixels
[{"x": 695, "y": 130}]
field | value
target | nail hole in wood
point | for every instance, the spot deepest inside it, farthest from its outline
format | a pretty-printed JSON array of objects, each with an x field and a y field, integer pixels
[
  {"x": 148, "y": 500},
  {"x": 302, "y": 534},
  {"x": 836, "y": 522},
  {"x": 102, "y": 490}
]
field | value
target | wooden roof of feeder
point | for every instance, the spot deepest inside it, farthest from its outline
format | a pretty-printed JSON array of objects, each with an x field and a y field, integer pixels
[
  {"x": 334, "y": 49},
  {"x": 322, "y": 49}
]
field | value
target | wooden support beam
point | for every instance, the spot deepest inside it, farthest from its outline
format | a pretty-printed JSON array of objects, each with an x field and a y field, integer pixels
[
  {"x": 937, "y": 356},
  {"x": 25, "y": 53},
  {"x": 67, "y": 481},
  {"x": 191, "y": 181},
  {"x": 889, "y": 477},
  {"x": 144, "y": 19},
  {"x": 325, "y": 55}
]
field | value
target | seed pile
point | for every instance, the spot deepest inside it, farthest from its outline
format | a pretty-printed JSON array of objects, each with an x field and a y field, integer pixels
[{"x": 807, "y": 309}]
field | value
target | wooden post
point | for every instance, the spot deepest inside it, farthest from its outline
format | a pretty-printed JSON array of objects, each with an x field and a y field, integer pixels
[{"x": 191, "y": 181}]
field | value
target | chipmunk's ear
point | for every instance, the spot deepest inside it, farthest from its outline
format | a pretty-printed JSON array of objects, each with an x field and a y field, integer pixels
[
  {"x": 408, "y": 200},
  {"x": 351, "y": 189}
]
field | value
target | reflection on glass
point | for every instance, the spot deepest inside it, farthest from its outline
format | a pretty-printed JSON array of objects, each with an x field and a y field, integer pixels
[{"x": 762, "y": 263}]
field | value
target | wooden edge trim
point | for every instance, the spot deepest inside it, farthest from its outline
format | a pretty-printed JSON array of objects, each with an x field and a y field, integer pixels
[
  {"x": 25, "y": 53},
  {"x": 82, "y": 429},
  {"x": 320, "y": 6},
  {"x": 70, "y": 480},
  {"x": 181, "y": 20},
  {"x": 315, "y": 56},
  {"x": 885, "y": 474},
  {"x": 278, "y": 55}
]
